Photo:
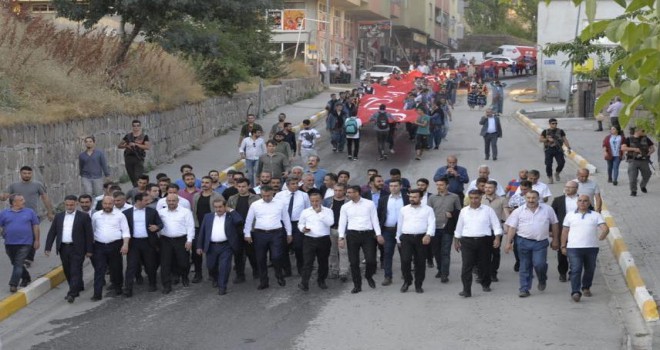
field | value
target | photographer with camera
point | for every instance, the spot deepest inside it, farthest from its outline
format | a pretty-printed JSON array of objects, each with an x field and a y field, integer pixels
[{"x": 457, "y": 176}]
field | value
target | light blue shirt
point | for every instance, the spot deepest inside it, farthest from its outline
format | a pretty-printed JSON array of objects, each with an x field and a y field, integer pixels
[{"x": 394, "y": 205}]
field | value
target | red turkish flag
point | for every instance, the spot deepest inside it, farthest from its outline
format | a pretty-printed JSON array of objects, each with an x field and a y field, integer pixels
[{"x": 393, "y": 96}]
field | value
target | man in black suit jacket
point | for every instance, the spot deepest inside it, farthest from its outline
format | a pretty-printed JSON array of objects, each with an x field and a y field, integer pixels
[
  {"x": 74, "y": 239},
  {"x": 491, "y": 130},
  {"x": 219, "y": 246},
  {"x": 376, "y": 191},
  {"x": 388, "y": 224},
  {"x": 559, "y": 205},
  {"x": 143, "y": 245}
]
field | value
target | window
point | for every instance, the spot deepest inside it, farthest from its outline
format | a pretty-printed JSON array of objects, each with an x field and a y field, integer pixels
[
  {"x": 336, "y": 23},
  {"x": 43, "y": 8}
]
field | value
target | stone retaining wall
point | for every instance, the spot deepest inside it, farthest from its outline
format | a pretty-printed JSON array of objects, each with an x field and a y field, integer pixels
[{"x": 52, "y": 149}]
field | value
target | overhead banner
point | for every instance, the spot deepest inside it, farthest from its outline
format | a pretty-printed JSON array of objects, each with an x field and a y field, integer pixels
[
  {"x": 373, "y": 29},
  {"x": 293, "y": 20},
  {"x": 393, "y": 96}
]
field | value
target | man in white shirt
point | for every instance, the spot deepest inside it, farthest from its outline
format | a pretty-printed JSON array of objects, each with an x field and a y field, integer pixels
[
  {"x": 579, "y": 242},
  {"x": 484, "y": 173},
  {"x": 120, "y": 201},
  {"x": 529, "y": 224},
  {"x": 111, "y": 236},
  {"x": 172, "y": 189},
  {"x": 538, "y": 186},
  {"x": 416, "y": 226},
  {"x": 263, "y": 227},
  {"x": 315, "y": 223},
  {"x": 359, "y": 229},
  {"x": 251, "y": 148},
  {"x": 175, "y": 241},
  {"x": 295, "y": 202},
  {"x": 388, "y": 210},
  {"x": 473, "y": 239}
]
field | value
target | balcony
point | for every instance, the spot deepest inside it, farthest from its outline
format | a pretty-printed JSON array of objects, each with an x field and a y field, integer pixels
[{"x": 371, "y": 10}]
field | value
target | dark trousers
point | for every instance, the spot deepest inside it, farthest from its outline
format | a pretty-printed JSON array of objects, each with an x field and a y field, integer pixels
[
  {"x": 428, "y": 253},
  {"x": 315, "y": 249},
  {"x": 245, "y": 251},
  {"x": 17, "y": 254},
  {"x": 475, "y": 251},
  {"x": 353, "y": 146},
  {"x": 275, "y": 243},
  {"x": 381, "y": 137},
  {"x": 366, "y": 240},
  {"x": 107, "y": 257},
  {"x": 495, "y": 256},
  {"x": 173, "y": 257},
  {"x": 413, "y": 249},
  {"x": 441, "y": 247},
  {"x": 562, "y": 263},
  {"x": 134, "y": 167},
  {"x": 297, "y": 245},
  {"x": 389, "y": 235},
  {"x": 490, "y": 143},
  {"x": 72, "y": 263},
  {"x": 557, "y": 154},
  {"x": 197, "y": 260},
  {"x": 390, "y": 136},
  {"x": 140, "y": 251},
  {"x": 218, "y": 261}
]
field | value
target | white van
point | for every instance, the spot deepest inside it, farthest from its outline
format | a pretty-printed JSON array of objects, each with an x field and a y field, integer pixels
[
  {"x": 478, "y": 57},
  {"x": 513, "y": 52}
]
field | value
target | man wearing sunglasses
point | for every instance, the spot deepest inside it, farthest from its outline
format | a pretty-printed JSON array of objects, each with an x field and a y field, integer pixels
[{"x": 553, "y": 140}]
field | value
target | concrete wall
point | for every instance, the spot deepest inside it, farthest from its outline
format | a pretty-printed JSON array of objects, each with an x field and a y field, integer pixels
[
  {"x": 52, "y": 149},
  {"x": 557, "y": 22}
]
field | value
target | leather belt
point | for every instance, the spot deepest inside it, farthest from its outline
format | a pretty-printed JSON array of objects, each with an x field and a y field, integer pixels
[{"x": 258, "y": 230}]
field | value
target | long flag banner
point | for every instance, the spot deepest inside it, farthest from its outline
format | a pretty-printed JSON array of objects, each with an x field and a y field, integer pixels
[{"x": 393, "y": 96}]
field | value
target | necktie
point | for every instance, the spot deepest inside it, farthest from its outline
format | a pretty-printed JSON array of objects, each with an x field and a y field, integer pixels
[{"x": 293, "y": 196}]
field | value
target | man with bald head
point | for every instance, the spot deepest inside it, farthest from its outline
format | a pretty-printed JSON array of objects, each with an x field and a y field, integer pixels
[
  {"x": 111, "y": 236},
  {"x": 590, "y": 188},
  {"x": 175, "y": 241}
]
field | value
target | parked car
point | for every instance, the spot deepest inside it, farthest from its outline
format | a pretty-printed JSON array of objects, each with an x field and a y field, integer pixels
[{"x": 380, "y": 73}]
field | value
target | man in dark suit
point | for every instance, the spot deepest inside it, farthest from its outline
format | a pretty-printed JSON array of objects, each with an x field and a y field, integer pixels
[
  {"x": 375, "y": 191},
  {"x": 388, "y": 214},
  {"x": 143, "y": 223},
  {"x": 219, "y": 238},
  {"x": 491, "y": 130},
  {"x": 563, "y": 204},
  {"x": 74, "y": 239}
]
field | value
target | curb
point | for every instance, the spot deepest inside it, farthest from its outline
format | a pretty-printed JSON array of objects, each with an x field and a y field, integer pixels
[
  {"x": 15, "y": 302},
  {"x": 574, "y": 156},
  {"x": 34, "y": 290},
  {"x": 645, "y": 302}
]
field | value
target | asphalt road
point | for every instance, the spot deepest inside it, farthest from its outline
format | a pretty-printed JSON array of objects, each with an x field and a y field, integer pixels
[{"x": 286, "y": 318}]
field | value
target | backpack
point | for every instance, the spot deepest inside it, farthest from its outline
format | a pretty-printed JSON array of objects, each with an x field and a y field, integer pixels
[
  {"x": 381, "y": 121},
  {"x": 351, "y": 127}
]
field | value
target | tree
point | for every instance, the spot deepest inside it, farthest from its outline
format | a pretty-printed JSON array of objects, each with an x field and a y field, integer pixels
[
  {"x": 636, "y": 58},
  {"x": 517, "y": 18}
]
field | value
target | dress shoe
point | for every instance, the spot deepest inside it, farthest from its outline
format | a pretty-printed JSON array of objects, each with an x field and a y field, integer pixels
[
  {"x": 541, "y": 286},
  {"x": 524, "y": 294},
  {"x": 167, "y": 290},
  {"x": 13, "y": 289},
  {"x": 114, "y": 293},
  {"x": 322, "y": 285},
  {"x": 214, "y": 284},
  {"x": 239, "y": 280},
  {"x": 419, "y": 290},
  {"x": 70, "y": 299},
  {"x": 486, "y": 289},
  {"x": 576, "y": 297},
  {"x": 152, "y": 288},
  {"x": 24, "y": 283},
  {"x": 494, "y": 158},
  {"x": 139, "y": 280},
  {"x": 303, "y": 287},
  {"x": 633, "y": 193},
  {"x": 438, "y": 275},
  {"x": 371, "y": 282},
  {"x": 356, "y": 290},
  {"x": 128, "y": 293},
  {"x": 643, "y": 189},
  {"x": 465, "y": 294},
  {"x": 386, "y": 282},
  {"x": 486, "y": 158},
  {"x": 185, "y": 281},
  {"x": 597, "y": 130},
  {"x": 562, "y": 277},
  {"x": 222, "y": 292},
  {"x": 586, "y": 293},
  {"x": 404, "y": 287},
  {"x": 615, "y": 182},
  {"x": 197, "y": 279},
  {"x": 343, "y": 278},
  {"x": 262, "y": 286},
  {"x": 96, "y": 298},
  {"x": 444, "y": 279},
  {"x": 281, "y": 281}
]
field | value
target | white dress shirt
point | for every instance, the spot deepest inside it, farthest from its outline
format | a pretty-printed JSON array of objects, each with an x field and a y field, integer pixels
[
  {"x": 318, "y": 223},
  {"x": 477, "y": 222},
  {"x": 125, "y": 207},
  {"x": 394, "y": 205},
  {"x": 140, "y": 223},
  {"x": 218, "y": 231},
  {"x": 491, "y": 125},
  {"x": 541, "y": 188},
  {"x": 300, "y": 202},
  {"x": 416, "y": 220},
  {"x": 67, "y": 227},
  {"x": 571, "y": 203},
  {"x": 162, "y": 203},
  {"x": 110, "y": 227},
  {"x": 360, "y": 216},
  {"x": 534, "y": 225},
  {"x": 267, "y": 216},
  {"x": 177, "y": 223}
]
